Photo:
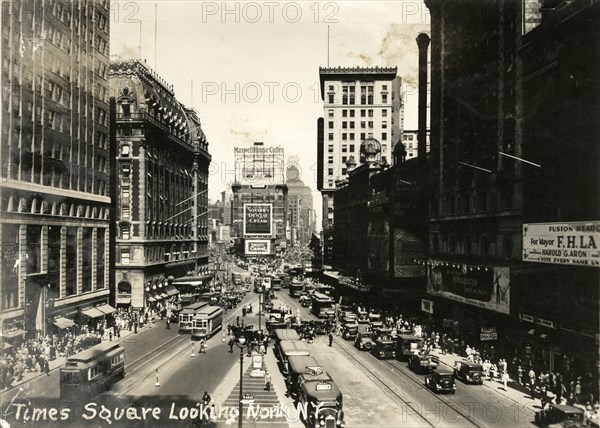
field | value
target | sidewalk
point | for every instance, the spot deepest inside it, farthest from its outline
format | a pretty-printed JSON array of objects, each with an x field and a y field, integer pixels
[
  {"x": 515, "y": 392},
  {"x": 60, "y": 361}
]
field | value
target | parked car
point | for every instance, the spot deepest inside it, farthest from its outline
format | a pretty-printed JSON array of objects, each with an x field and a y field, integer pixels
[
  {"x": 364, "y": 341},
  {"x": 350, "y": 330},
  {"x": 560, "y": 415},
  {"x": 441, "y": 380},
  {"x": 468, "y": 372}
]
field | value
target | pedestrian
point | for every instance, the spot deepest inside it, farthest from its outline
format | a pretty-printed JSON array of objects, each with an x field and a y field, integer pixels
[
  {"x": 531, "y": 376},
  {"x": 168, "y": 324},
  {"x": 202, "y": 345},
  {"x": 520, "y": 375},
  {"x": 330, "y": 339},
  {"x": 237, "y": 320},
  {"x": 268, "y": 382},
  {"x": 231, "y": 343},
  {"x": 110, "y": 335},
  {"x": 505, "y": 379}
]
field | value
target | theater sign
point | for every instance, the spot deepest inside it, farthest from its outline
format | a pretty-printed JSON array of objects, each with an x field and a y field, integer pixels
[{"x": 570, "y": 243}]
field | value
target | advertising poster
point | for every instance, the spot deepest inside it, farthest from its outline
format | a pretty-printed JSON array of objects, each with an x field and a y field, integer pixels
[
  {"x": 407, "y": 249},
  {"x": 572, "y": 243},
  {"x": 378, "y": 246},
  {"x": 257, "y": 247},
  {"x": 485, "y": 287},
  {"x": 258, "y": 219}
]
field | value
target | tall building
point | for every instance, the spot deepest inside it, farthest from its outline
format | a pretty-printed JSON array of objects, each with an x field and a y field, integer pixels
[
  {"x": 161, "y": 187},
  {"x": 301, "y": 215},
  {"x": 514, "y": 163},
  {"x": 359, "y": 103},
  {"x": 260, "y": 200},
  {"x": 54, "y": 153},
  {"x": 411, "y": 144},
  {"x": 226, "y": 203}
]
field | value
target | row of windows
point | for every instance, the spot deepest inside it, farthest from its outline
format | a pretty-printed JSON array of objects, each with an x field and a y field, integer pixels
[
  {"x": 476, "y": 245},
  {"x": 348, "y": 98},
  {"x": 363, "y": 113},
  {"x": 351, "y": 136},
  {"x": 474, "y": 202}
]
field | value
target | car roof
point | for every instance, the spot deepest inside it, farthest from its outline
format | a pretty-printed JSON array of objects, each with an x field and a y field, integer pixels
[
  {"x": 566, "y": 408},
  {"x": 444, "y": 371}
]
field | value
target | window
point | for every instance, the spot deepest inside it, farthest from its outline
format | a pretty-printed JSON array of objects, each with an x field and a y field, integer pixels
[
  {"x": 125, "y": 149},
  {"x": 351, "y": 113},
  {"x": 370, "y": 124},
  {"x": 363, "y": 124},
  {"x": 384, "y": 113},
  {"x": 344, "y": 159},
  {"x": 384, "y": 136},
  {"x": 351, "y": 148},
  {"x": 363, "y": 113},
  {"x": 344, "y": 136},
  {"x": 330, "y": 149},
  {"x": 331, "y": 87},
  {"x": 344, "y": 113},
  {"x": 330, "y": 136},
  {"x": 344, "y": 124},
  {"x": 384, "y": 148},
  {"x": 344, "y": 148},
  {"x": 330, "y": 171},
  {"x": 330, "y": 99},
  {"x": 384, "y": 124},
  {"x": 362, "y": 136},
  {"x": 384, "y": 98},
  {"x": 384, "y": 87},
  {"x": 352, "y": 136},
  {"x": 125, "y": 212},
  {"x": 125, "y": 192},
  {"x": 124, "y": 232},
  {"x": 369, "y": 94},
  {"x": 125, "y": 256},
  {"x": 330, "y": 159},
  {"x": 330, "y": 125},
  {"x": 330, "y": 112},
  {"x": 351, "y": 125},
  {"x": 370, "y": 112}
]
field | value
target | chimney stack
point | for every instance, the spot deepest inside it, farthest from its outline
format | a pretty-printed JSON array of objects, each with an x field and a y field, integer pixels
[{"x": 423, "y": 43}]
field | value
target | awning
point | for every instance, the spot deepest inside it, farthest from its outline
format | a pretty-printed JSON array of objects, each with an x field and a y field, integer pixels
[
  {"x": 123, "y": 301},
  {"x": 14, "y": 333},
  {"x": 93, "y": 313},
  {"x": 106, "y": 309},
  {"x": 151, "y": 299},
  {"x": 62, "y": 322},
  {"x": 172, "y": 291}
]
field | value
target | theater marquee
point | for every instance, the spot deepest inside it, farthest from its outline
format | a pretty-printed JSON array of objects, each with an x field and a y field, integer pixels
[
  {"x": 257, "y": 247},
  {"x": 572, "y": 243}
]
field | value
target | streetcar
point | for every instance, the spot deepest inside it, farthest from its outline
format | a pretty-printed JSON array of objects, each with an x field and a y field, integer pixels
[
  {"x": 211, "y": 297},
  {"x": 323, "y": 400},
  {"x": 187, "y": 314},
  {"x": 322, "y": 305},
  {"x": 286, "y": 334},
  {"x": 92, "y": 371},
  {"x": 295, "y": 288},
  {"x": 207, "y": 322},
  {"x": 276, "y": 283},
  {"x": 287, "y": 349}
]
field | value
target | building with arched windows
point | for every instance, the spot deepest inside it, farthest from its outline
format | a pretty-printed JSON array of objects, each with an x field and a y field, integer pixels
[{"x": 159, "y": 195}]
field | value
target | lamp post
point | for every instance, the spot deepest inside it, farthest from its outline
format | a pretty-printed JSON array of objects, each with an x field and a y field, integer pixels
[
  {"x": 241, "y": 341},
  {"x": 259, "y": 307}
]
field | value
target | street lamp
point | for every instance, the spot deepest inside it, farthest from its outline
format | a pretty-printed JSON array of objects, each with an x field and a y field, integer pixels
[{"x": 241, "y": 341}]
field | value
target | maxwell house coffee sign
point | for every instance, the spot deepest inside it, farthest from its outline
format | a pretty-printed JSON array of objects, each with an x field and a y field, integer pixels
[
  {"x": 572, "y": 243},
  {"x": 258, "y": 219}
]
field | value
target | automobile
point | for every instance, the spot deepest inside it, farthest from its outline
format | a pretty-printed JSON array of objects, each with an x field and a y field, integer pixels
[
  {"x": 304, "y": 301},
  {"x": 350, "y": 330},
  {"x": 364, "y": 341},
  {"x": 384, "y": 348},
  {"x": 468, "y": 372},
  {"x": 560, "y": 415},
  {"x": 441, "y": 380},
  {"x": 363, "y": 317},
  {"x": 382, "y": 332},
  {"x": 422, "y": 362},
  {"x": 348, "y": 316}
]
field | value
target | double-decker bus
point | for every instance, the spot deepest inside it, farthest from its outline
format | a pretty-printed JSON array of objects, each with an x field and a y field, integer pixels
[
  {"x": 207, "y": 322},
  {"x": 295, "y": 288},
  {"x": 322, "y": 305},
  {"x": 187, "y": 314},
  {"x": 92, "y": 371}
]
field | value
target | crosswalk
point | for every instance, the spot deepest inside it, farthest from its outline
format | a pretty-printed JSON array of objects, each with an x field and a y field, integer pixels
[{"x": 261, "y": 407}]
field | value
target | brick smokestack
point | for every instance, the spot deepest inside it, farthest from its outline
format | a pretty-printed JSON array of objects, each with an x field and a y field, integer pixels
[{"x": 423, "y": 43}]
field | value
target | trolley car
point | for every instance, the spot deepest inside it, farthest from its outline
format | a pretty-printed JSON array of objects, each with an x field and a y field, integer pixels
[
  {"x": 187, "y": 314},
  {"x": 92, "y": 371},
  {"x": 207, "y": 322}
]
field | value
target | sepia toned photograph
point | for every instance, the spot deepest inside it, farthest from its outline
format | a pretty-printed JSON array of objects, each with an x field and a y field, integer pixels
[{"x": 300, "y": 214}]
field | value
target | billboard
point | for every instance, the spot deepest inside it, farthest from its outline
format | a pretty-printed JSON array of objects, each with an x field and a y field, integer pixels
[
  {"x": 378, "y": 246},
  {"x": 407, "y": 249},
  {"x": 259, "y": 164},
  {"x": 485, "y": 287},
  {"x": 258, "y": 219},
  {"x": 569, "y": 243},
  {"x": 257, "y": 247}
]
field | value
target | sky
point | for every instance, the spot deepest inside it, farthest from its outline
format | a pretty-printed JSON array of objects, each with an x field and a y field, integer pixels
[{"x": 251, "y": 69}]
